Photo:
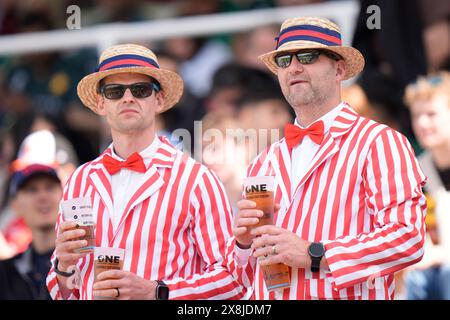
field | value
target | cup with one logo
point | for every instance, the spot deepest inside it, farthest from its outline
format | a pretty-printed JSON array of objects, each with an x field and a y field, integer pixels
[
  {"x": 106, "y": 258},
  {"x": 261, "y": 191},
  {"x": 79, "y": 210}
]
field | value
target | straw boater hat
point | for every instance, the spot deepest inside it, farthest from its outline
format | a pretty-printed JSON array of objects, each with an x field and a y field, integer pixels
[
  {"x": 130, "y": 58},
  {"x": 314, "y": 33}
]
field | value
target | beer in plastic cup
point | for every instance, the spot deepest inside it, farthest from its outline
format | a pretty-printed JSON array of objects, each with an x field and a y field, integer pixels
[
  {"x": 79, "y": 210},
  {"x": 106, "y": 258},
  {"x": 261, "y": 191}
]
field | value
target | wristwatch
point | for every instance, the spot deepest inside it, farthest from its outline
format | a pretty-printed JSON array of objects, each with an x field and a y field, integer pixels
[
  {"x": 62, "y": 273},
  {"x": 316, "y": 251},
  {"x": 162, "y": 291}
]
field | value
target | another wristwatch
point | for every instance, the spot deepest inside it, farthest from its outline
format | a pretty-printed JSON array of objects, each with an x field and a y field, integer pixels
[
  {"x": 62, "y": 273},
  {"x": 316, "y": 251},
  {"x": 162, "y": 291}
]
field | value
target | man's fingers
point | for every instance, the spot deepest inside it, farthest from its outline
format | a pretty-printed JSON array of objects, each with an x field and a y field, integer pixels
[
  {"x": 246, "y": 222},
  {"x": 70, "y": 246},
  {"x": 245, "y": 204},
  {"x": 106, "y": 284},
  {"x": 250, "y": 213},
  {"x": 271, "y": 259},
  {"x": 68, "y": 259},
  {"x": 70, "y": 235},
  {"x": 266, "y": 240},
  {"x": 267, "y": 229},
  {"x": 108, "y": 293},
  {"x": 263, "y": 252},
  {"x": 111, "y": 274},
  {"x": 66, "y": 225},
  {"x": 239, "y": 231}
]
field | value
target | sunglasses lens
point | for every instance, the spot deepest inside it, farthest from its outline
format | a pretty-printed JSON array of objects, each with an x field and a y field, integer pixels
[
  {"x": 283, "y": 61},
  {"x": 141, "y": 90},
  {"x": 113, "y": 91},
  {"x": 307, "y": 57},
  {"x": 138, "y": 90}
]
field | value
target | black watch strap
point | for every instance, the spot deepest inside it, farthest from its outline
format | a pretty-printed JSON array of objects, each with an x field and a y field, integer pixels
[
  {"x": 162, "y": 291},
  {"x": 315, "y": 264},
  {"x": 316, "y": 251},
  {"x": 62, "y": 273}
]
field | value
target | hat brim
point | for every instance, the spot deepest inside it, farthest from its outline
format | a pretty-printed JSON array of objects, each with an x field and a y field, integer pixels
[
  {"x": 19, "y": 179},
  {"x": 171, "y": 84},
  {"x": 354, "y": 60}
]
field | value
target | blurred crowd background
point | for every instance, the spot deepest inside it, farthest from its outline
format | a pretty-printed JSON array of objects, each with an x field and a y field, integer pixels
[{"x": 226, "y": 87}]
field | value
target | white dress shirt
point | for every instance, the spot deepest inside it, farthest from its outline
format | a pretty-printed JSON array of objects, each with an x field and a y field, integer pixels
[
  {"x": 125, "y": 182},
  {"x": 303, "y": 153}
]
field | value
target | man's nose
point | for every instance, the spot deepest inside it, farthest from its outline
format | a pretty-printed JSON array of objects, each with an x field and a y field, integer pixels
[
  {"x": 295, "y": 65},
  {"x": 127, "y": 95},
  {"x": 43, "y": 194},
  {"x": 423, "y": 121}
]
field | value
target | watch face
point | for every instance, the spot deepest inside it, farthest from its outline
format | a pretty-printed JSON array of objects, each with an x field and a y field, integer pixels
[
  {"x": 316, "y": 250},
  {"x": 162, "y": 292}
]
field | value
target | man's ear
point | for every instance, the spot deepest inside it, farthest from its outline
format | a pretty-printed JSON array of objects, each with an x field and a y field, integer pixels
[
  {"x": 101, "y": 105},
  {"x": 340, "y": 70},
  {"x": 159, "y": 101}
]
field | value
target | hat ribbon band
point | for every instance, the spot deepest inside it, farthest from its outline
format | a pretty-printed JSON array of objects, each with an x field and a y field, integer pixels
[
  {"x": 123, "y": 61},
  {"x": 310, "y": 33}
]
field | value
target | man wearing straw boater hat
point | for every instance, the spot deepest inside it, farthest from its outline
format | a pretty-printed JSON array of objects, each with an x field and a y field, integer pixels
[
  {"x": 349, "y": 207},
  {"x": 167, "y": 211}
]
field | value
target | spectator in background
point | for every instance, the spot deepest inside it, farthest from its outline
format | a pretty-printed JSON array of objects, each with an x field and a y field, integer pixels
[
  {"x": 395, "y": 50},
  {"x": 429, "y": 102},
  {"x": 187, "y": 110},
  {"x": 376, "y": 98},
  {"x": 106, "y": 11},
  {"x": 266, "y": 112},
  {"x": 435, "y": 16},
  {"x": 251, "y": 44},
  {"x": 230, "y": 83},
  {"x": 6, "y": 156},
  {"x": 36, "y": 191},
  {"x": 44, "y": 84},
  {"x": 225, "y": 151},
  {"x": 205, "y": 58},
  {"x": 40, "y": 147},
  {"x": 413, "y": 39}
]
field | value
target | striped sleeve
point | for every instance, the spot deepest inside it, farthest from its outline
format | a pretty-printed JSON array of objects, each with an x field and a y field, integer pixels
[
  {"x": 211, "y": 229},
  {"x": 52, "y": 281},
  {"x": 243, "y": 259},
  {"x": 242, "y": 264},
  {"x": 393, "y": 184}
]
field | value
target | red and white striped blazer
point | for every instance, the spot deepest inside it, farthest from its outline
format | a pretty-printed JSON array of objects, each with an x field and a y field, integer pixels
[
  {"x": 174, "y": 228},
  {"x": 362, "y": 197}
]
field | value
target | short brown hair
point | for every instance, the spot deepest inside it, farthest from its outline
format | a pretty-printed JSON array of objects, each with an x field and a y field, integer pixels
[{"x": 426, "y": 87}]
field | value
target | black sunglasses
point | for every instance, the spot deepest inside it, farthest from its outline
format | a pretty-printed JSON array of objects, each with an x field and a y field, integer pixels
[
  {"x": 284, "y": 59},
  {"x": 138, "y": 90}
]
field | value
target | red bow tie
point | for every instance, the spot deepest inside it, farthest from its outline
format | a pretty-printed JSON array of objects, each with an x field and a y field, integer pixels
[
  {"x": 134, "y": 162},
  {"x": 294, "y": 134}
]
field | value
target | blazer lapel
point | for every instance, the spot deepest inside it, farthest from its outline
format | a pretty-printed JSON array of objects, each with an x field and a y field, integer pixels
[
  {"x": 152, "y": 181},
  {"x": 280, "y": 162},
  {"x": 329, "y": 147},
  {"x": 100, "y": 179}
]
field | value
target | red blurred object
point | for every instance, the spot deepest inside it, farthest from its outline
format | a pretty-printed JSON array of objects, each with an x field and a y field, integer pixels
[{"x": 18, "y": 235}]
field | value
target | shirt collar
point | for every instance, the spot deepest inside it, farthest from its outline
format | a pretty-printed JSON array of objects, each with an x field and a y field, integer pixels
[
  {"x": 147, "y": 154},
  {"x": 327, "y": 118}
]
